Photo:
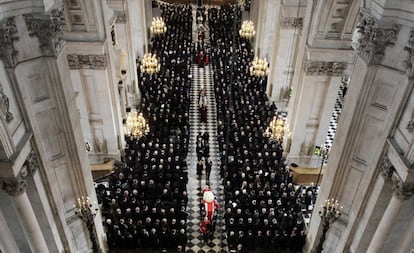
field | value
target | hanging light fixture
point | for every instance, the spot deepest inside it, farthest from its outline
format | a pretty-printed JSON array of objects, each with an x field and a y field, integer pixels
[
  {"x": 259, "y": 67},
  {"x": 149, "y": 64},
  {"x": 247, "y": 29},
  {"x": 276, "y": 129},
  {"x": 136, "y": 125},
  {"x": 158, "y": 26}
]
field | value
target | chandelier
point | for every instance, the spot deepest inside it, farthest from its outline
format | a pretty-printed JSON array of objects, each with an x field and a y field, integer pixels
[
  {"x": 149, "y": 64},
  {"x": 259, "y": 67},
  {"x": 158, "y": 26},
  {"x": 136, "y": 125},
  {"x": 247, "y": 29},
  {"x": 276, "y": 129}
]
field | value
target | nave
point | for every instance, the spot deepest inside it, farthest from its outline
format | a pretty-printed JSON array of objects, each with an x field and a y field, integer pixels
[{"x": 260, "y": 208}]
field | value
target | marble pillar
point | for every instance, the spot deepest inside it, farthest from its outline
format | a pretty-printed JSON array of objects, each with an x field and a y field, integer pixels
[
  {"x": 95, "y": 70},
  {"x": 15, "y": 187},
  {"x": 378, "y": 90},
  {"x": 7, "y": 242},
  {"x": 374, "y": 208},
  {"x": 385, "y": 226},
  {"x": 38, "y": 69},
  {"x": 407, "y": 241},
  {"x": 30, "y": 224}
]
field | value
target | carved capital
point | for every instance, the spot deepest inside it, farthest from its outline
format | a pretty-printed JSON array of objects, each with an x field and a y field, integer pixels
[
  {"x": 409, "y": 63},
  {"x": 13, "y": 186},
  {"x": 76, "y": 61},
  {"x": 325, "y": 68},
  {"x": 8, "y": 34},
  {"x": 401, "y": 189},
  {"x": 5, "y": 106},
  {"x": 374, "y": 40},
  {"x": 31, "y": 163},
  {"x": 49, "y": 30},
  {"x": 386, "y": 168},
  {"x": 291, "y": 23}
]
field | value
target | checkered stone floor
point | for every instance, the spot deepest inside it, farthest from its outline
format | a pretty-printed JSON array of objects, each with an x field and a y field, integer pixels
[
  {"x": 203, "y": 77},
  {"x": 335, "y": 117}
]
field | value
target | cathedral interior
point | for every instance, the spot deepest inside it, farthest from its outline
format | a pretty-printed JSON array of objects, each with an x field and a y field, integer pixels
[{"x": 206, "y": 126}]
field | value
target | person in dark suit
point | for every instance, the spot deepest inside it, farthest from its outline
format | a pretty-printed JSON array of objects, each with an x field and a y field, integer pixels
[
  {"x": 200, "y": 168},
  {"x": 209, "y": 165}
]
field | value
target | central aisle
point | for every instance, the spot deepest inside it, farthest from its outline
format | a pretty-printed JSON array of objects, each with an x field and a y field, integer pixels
[{"x": 203, "y": 77}]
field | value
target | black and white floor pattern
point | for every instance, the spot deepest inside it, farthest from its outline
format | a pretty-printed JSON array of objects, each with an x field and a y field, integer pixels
[
  {"x": 335, "y": 117},
  {"x": 203, "y": 77}
]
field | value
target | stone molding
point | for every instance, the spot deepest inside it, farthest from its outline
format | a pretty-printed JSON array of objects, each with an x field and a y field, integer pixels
[
  {"x": 8, "y": 34},
  {"x": 291, "y": 23},
  {"x": 402, "y": 189},
  {"x": 374, "y": 40},
  {"x": 409, "y": 63},
  {"x": 49, "y": 30},
  {"x": 325, "y": 68},
  {"x": 386, "y": 168},
  {"x": 77, "y": 61},
  {"x": 14, "y": 186},
  {"x": 5, "y": 106}
]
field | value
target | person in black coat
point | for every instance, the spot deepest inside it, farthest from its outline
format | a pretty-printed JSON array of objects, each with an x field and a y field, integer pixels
[
  {"x": 209, "y": 165},
  {"x": 200, "y": 168}
]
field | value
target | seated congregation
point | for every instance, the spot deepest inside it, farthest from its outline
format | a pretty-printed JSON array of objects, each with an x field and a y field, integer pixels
[
  {"x": 145, "y": 203},
  {"x": 263, "y": 208}
]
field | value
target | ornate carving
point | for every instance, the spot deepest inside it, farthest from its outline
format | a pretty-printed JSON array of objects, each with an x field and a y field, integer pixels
[
  {"x": 31, "y": 163},
  {"x": 49, "y": 30},
  {"x": 13, "y": 186},
  {"x": 8, "y": 31},
  {"x": 325, "y": 68},
  {"x": 401, "y": 189},
  {"x": 76, "y": 61},
  {"x": 4, "y": 106},
  {"x": 386, "y": 168},
  {"x": 373, "y": 40},
  {"x": 409, "y": 63},
  {"x": 121, "y": 17},
  {"x": 410, "y": 125},
  {"x": 291, "y": 23}
]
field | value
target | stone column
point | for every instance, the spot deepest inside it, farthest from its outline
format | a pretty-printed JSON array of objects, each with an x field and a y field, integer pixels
[
  {"x": 16, "y": 189},
  {"x": 390, "y": 216},
  {"x": 7, "y": 242},
  {"x": 406, "y": 243},
  {"x": 37, "y": 67},
  {"x": 283, "y": 60},
  {"x": 375, "y": 207},
  {"x": 315, "y": 97},
  {"x": 259, "y": 22},
  {"x": 30, "y": 224}
]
